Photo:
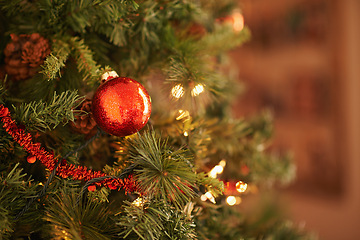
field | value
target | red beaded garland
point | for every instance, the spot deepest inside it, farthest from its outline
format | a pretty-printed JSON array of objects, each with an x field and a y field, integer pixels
[
  {"x": 121, "y": 106},
  {"x": 64, "y": 170}
]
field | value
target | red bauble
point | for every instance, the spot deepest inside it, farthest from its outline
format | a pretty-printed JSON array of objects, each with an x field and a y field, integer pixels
[
  {"x": 31, "y": 159},
  {"x": 121, "y": 106}
]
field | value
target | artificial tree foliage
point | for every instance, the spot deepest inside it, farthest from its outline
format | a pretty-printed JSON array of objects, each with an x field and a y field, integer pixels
[{"x": 156, "y": 179}]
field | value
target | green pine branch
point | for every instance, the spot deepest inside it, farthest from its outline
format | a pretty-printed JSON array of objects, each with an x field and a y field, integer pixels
[
  {"x": 213, "y": 185},
  {"x": 87, "y": 220},
  {"x": 223, "y": 39},
  {"x": 2, "y": 92},
  {"x": 95, "y": 13},
  {"x": 44, "y": 116},
  {"x": 162, "y": 173},
  {"x": 86, "y": 65},
  {"x": 56, "y": 60},
  {"x": 15, "y": 189},
  {"x": 268, "y": 169},
  {"x": 165, "y": 222}
]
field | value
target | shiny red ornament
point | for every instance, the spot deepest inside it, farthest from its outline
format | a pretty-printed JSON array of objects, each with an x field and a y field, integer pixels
[{"x": 121, "y": 106}]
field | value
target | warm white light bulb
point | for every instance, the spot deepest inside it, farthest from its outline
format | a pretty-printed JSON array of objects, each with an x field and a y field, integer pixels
[
  {"x": 213, "y": 173},
  {"x": 203, "y": 198},
  {"x": 222, "y": 163},
  {"x": 199, "y": 88},
  {"x": 218, "y": 169},
  {"x": 138, "y": 202},
  {"x": 231, "y": 200},
  {"x": 241, "y": 186},
  {"x": 183, "y": 114},
  {"x": 177, "y": 91},
  {"x": 238, "y": 23},
  {"x": 210, "y": 197}
]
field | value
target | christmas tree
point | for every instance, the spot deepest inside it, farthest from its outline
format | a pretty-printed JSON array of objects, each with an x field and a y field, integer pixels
[{"x": 116, "y": 124}]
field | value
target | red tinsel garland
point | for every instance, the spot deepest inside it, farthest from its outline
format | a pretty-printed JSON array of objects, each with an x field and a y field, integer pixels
[{"x": 64, "y": 170}]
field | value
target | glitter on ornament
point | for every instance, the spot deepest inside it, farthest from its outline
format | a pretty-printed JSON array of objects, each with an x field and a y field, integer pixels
[{"x": 121, "y": 106}]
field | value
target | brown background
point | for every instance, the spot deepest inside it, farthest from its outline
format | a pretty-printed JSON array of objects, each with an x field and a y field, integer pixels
[{"x": 303, "y": 63}]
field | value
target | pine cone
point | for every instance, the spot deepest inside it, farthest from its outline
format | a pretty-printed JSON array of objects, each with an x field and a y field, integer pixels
[
  {"x": 85, "y": 123},
  {"x": 24, "y": 54}
]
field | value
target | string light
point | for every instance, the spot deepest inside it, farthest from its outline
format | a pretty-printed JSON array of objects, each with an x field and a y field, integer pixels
[
  {"x": 186, "y": 134},
  {"x": 238, "y": 21},
  {"x": 210, "y": 197},
  {"x": 241, "y": 186},
  {"x": 139, "y": 202},
  {"x": 199, "y": 88},
  {"x": 183, "y": 114},
  {"x": 177, "y": 91},
  {"x": 218, "y": 169},
  {"x": 260, "y": 147},
  {"x": 222, "y": 163},
  {"x": 232, "y": 200},
  {"x": 203, "y": 198},
  {"x": 65, "y": 235}
]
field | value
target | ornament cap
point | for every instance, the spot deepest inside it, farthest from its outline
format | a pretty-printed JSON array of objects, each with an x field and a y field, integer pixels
[{"x": 108, "y": 75}]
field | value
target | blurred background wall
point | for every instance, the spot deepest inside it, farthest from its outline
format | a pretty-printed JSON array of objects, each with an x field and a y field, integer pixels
[{"x": 303, "y": 63}]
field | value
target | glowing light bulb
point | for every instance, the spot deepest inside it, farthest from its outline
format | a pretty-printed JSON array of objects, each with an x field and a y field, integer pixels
[
  {"x": 222, "y": 163},
  {"x": 203, "y": 198},
  {"x": 213, "y": 173},
  {"x": 241, "y": 186},
  {"x": 260, "y": 147},
  {"x": 231, "y": 200},
  {"x": 177, "y": 91},
  {"x": 210, "y": 197},
  {"x": 199, "y": 88},
  {"x": 183, "y": 114},
  {"x": 138, "y": 202},
  {"x": 186, "y": 134},
  {"x": 218, "y": 169},
  {"x": 238, "y": 23}
]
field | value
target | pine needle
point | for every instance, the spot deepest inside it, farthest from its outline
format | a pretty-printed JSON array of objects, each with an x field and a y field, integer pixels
[
  {"x": 88, "y": 220},
  {"x": 163, "y": 173},
  {"x": 46, "y": 116},
  {"x": 56, "y": 60}
]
